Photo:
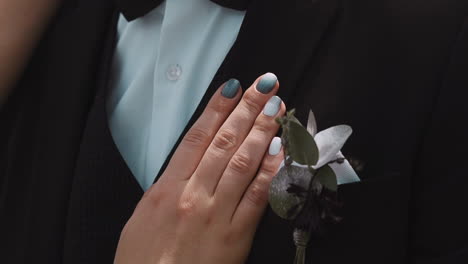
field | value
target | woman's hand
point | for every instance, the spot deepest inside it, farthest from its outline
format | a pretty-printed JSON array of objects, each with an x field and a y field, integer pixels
[{"x": 206, "y": 206}]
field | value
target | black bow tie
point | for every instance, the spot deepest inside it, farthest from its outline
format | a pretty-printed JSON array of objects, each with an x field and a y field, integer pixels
[{"x": 133, "y": 9}]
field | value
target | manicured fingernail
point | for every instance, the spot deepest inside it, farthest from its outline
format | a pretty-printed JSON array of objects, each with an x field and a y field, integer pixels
[
  {"x": 267, "y": 83},
  {"x": 275, "y": 146},
  {"x": 272, "y": 106},
  {"x": 230, "y": 88}
]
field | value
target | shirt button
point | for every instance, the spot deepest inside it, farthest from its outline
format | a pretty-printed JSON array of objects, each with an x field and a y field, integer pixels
[{"x": 174, "y": 72}]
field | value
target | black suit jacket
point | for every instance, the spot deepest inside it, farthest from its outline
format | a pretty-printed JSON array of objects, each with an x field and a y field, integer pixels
[{"x": 395, "y": 70}]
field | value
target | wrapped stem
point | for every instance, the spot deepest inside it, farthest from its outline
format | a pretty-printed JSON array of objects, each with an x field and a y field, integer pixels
[
  {"x": 301, "y": 239},
  {"x": 300, "y": 255}
]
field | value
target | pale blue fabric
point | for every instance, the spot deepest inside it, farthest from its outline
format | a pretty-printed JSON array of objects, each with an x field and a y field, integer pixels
[{"x": 149, "y": 108}]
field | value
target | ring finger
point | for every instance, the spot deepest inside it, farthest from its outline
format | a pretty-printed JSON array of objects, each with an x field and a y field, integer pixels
[{"x": 245, "y": 163}]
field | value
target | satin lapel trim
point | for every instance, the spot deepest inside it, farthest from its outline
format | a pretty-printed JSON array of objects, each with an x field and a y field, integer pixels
[{"x": 274, "y": 37}]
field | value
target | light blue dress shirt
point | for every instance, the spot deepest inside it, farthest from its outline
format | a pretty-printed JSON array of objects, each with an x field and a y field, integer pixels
[{"x": 162, "y": 66}]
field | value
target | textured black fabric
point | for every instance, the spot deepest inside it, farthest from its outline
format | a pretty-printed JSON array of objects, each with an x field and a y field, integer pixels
[
  {"x": 133, "y": 9},
  {"x": 395, "y": 70}
]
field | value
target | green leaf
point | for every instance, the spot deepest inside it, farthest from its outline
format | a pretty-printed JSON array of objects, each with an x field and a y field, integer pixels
[
  {"x": 327, "y": 178},
  {"x": 284, "y": 201},
  {"x": 302, "y": 146}
]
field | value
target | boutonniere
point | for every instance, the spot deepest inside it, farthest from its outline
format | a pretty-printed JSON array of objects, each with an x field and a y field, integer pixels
[{"x": 304, "y": 191}]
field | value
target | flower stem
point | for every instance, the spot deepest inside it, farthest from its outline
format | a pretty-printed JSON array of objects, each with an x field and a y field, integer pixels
[{"x": 301, "y": 239}]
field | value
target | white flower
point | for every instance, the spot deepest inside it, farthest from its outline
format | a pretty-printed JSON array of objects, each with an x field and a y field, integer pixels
[{"x": 329, "y": 143}]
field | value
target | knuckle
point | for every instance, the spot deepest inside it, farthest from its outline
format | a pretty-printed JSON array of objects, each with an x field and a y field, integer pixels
[
  {"x": 258, "y": 191},
  {"x": 196, "y": 137},
  {"x": 240, "y": 163},
  {"x": 230, "y": 237},
  {"x": 225, "y": 140},
  {"x": 251, "y": 103},
  {"x": 153, "y": 197},
  {"x": 220, "y": 106},
  {"x": 264, "y": 126},
  {"x": 269, "y": 168},
  {"x": 187, "y": 206},
  {"x": 210, "y": 215}
]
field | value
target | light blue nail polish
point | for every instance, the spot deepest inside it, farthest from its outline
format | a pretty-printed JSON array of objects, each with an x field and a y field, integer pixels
[
  {"x": 272, "y": 106},
  {"x": 230, "y": 88},
  {"x": 275, "y": 146},
  {"x": 267, "y": 83}
]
